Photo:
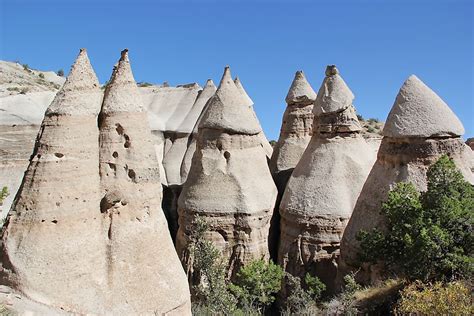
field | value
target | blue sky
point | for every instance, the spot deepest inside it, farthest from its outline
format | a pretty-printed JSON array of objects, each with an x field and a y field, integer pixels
[{"x": 375, "y": 44}]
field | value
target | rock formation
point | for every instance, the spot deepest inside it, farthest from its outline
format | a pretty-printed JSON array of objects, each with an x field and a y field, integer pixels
[
  {"x": 178, "y": 157},
  {"x": 142, "y": 266},
  {"x": 229, "y": 185},
  {"x": 324, "y": 186},
  {"x": 202, "y": 104},
  {"x": 295, "y": 132},
  {"x": 419, "y": 129},
  {"x": 53, "y": 245},
  {"x": 264, "y": 141},
  {"x": 470, "y": 142}
]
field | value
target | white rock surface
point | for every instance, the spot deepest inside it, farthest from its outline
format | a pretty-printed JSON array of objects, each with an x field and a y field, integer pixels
[
  {"x": 419, "y": 112},
  {"x": 334, "y": 95}
]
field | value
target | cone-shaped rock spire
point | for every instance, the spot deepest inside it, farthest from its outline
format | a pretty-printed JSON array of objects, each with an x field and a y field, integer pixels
[
  {"x": 240, "y": 87},
  {"x": 229, "y": 185},
  {"x": 296, "y": 127},
  {"x": 300, "y": 91},
  {"x": 230, "y": 111},
  {"x": 419, "y": 112},
  {"x": 204, "y": 97},
  {"x": 265, "y": 143},
  {"x": 53, "y": 246},
  {"x": 322, "y": 190},
  {"x": 410, "y": 145},
  {"x": 334, "y": 95},
  {"x": 131, "y": 208}
]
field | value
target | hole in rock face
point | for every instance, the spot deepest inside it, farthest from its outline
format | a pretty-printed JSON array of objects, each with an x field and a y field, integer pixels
[
  {"x": 227, "y": 155},
  {"x": 115, "y": 154},
  {"x": 127, "y": 141},
  {"x": 112, "y": 166},
  {"x": 39, "y": 156},
  {"x": 54, "y": 221},
  {"x": 132, "y": 174},
  {"x": 119, "y": 128},
  {"x": 59, "y": 155}
]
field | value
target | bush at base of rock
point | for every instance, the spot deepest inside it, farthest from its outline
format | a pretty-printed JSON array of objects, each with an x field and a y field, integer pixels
[{"x": 429, "y": 234}]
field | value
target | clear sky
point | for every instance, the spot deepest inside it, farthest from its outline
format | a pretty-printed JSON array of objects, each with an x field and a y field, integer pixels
[{"x": 375, "y": 44}]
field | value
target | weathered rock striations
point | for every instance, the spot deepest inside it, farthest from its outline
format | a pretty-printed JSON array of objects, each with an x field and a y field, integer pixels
[
  {"x": 324, "y": 186},
  {"x": 53, "y": 245},
  {"x": 263, "y": 139},
  {"x": 144, "y": 275},
  {"x": 419, "y": 129},
  {"x": 296, "y": 130},
  {"x": 229, "y": 185}
]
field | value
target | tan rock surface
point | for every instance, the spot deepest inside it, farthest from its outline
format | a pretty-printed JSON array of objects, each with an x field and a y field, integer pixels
[
  {"x": 296, "y": 130},
  {"x": 54, "y": 230},
  {"x": 229, "y": 184},
  {"x": 144, "y": 275},
  {"x": 401, "y": 159},
  {"x": 265, "y": 143},
  {"x": 324, "y": 186}
]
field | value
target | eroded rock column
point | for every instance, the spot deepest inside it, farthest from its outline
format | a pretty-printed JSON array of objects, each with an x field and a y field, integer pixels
[
  {"x": 324, "y": 186},
  {"x": 419, "y": 129},
  {"x": 53, "y": 247},
  {"x": 229, "y": 184},
  {"x": 144, "y": 274}
]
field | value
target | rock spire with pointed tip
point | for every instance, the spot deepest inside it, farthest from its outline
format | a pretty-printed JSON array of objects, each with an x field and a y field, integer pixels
[
  {"x": 419, "y": 112},
  {"x": 229, "y": 185},
  {"x": 138, "y": 271},
  {"x": 410, "y": 145},
  {"x": 323, "y": 188},
  {"x": 296, "y": 129},
  {"x": 265, "y": 143},
  {"x": 208, "y": 91},
  {"x": 53, "y": 232}
]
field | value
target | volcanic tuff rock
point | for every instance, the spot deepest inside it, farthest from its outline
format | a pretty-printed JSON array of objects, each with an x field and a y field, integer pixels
[
  {"x": 263, "y": 139},
  {"x": 419, "y": 129},
  {"x": 142, "y": 266},
  {"x": 229, "y": 185},
  {"x": 324, "y": 186},
  {"x": 296, "y": 129},
  {"x": 54, "y": 230},
  {"x": 179, "y": 156}
]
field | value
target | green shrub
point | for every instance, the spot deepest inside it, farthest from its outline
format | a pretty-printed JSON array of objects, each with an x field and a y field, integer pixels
[
  {"x": 3, "y": 195},
  {"x": 24, "y": 90},
  {"x": 41, "y": 75},
  {"x": 257, "y": 284},
  {"x": 26, "y": 67},
  {"x": 298, "y": 300},
  {"x": 373, "y": 120},
  {"x": 429, "y": 235},
  {"x": 314, "y": 286},
  {"x": 13, "y": 89},
  {"x": 453, "y": 298},
  {"x": 60, "y": 73},
  {"x": 360, "y": 117},
  {"x": 211, "y": 294},
  {"x": 370, "y": 129}
]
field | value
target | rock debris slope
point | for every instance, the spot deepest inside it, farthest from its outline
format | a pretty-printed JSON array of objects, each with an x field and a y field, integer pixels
[
  {"x": 54, "y": 230},
  {"x": 324, "y": 186},
  {"x": 229, "y": 185},
  {"x": 419, "y": 129},
  {"x": 142, "y": 266}
]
